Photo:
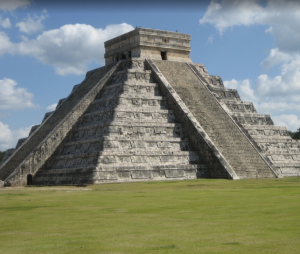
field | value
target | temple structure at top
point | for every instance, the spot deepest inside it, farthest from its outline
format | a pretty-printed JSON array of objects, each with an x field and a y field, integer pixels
[
  {"x": 150, "y": 114},
  {"x": 148, "y": 43}
]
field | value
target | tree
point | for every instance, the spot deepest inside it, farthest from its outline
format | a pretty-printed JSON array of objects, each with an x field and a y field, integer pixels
[
  {"x": 296, "y": 134},
  {"x": 1, "y": 155}
]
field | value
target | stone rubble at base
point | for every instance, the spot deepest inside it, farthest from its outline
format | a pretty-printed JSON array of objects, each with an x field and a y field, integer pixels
[{"x": 151, "y": 114}]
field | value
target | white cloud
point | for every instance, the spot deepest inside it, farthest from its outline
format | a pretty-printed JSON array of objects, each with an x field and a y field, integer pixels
[
  {"x": 12, "y": 97},
  {"x": 31, "y": 25},
  {"x": 244, "y": 89},
  {"x": 275, "y": 57},
  {"x": 210, "y": 39},
  {"x": 281, "y": 16},
  {"x": 278, "y": 95},
  {"x": 51, "y": 107},
  {"x": 9, "y": 138},
  {"x": 10, "y": 5},
  {"x": 286, "y": 86},
  {"x": 5, "y": 23},
  {"x": 68, "y": 49},
  {"x": 6, "y": 46},
  {"x": 291, "y": 122},
  {"x": 231, "y": 13}
]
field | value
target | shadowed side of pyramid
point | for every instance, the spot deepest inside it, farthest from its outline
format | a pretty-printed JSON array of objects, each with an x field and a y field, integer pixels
[{"x": 40, "y": 145}]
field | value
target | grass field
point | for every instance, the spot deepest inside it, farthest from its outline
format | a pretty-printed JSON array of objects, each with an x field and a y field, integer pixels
[{"x": 193, "y": 216}]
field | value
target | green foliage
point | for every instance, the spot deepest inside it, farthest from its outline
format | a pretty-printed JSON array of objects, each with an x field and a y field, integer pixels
[
  {"x": 191, "y": 216},
  {"x": 1, "y": 155},
  {"x": 296, "y": 134}
]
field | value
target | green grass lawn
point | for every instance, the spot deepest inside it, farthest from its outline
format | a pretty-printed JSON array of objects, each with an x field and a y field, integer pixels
[{"x": 192, "y": 216}]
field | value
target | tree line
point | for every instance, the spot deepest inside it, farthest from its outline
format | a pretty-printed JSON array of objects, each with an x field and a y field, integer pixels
[
  {"x": 295, "y": 134},
  {"x": 1, "y": 155}
]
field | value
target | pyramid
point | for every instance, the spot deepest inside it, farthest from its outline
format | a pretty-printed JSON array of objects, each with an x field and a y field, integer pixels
[{"x": 150, "y": 114}]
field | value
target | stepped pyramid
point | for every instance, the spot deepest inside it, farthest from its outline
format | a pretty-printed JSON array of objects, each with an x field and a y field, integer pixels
[{"x": 150, "y": 114}]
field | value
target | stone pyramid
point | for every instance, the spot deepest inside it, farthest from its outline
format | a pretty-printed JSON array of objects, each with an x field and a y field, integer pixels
[{"x": 151, "y": 114}]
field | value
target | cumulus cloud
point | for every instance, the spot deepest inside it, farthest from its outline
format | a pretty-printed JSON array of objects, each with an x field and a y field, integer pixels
[
  {"x": 10, "y": 5},
  {"x": 9, "y": 138},
  {"x": 68, "y": 49},
  {"x": 6, "y": 46},
  {"x": 275, "y": 57},
  {"x": 5, "y": 23},
  {"x": 278, "y": 96},
  {"x": 245, "y": 91},
  {"x": 31, "y": 24},
  {"x": 231, "y": 13},
  {"x": 286, "y": 85},
  {"x": 291, "y": 122},
  {"x": 12, "y": 97},
  {"x": 51, "y": 107},
  {"x": 281, "y": 17}
]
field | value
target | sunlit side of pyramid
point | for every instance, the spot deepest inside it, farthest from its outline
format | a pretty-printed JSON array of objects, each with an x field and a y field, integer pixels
[{"x": 151, "y": 114}]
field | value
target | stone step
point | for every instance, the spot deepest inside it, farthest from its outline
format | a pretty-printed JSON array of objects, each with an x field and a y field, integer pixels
[
  {"x": 121, "y": 110},
  {"x": 239, "y": 106},
  {"x": 253, "y": 119},
  {"x": 225, "y": 94},
  {"x": 123, "y": 138},
  {"x": 148, "y": 129},
  {"x": 126, "y": 153},
  {"x": 290, "y": 171},
  {"x": 265, "y": 131},
  {"x": 129, "y": 102},
  {"x": 119, "y": 168},
  {"x": 285, "y": 158},
  {"x": 132, "y": 74},
  {"x": 281, "y": 151},
  {"x": 115, "y": 161},
  {"x": 273, "y": 140},
  {"x": 145, "y": 159},
  {"x": 130, "y": 88},
  {"x": 94, "y": 176},
  {"x": 130, "y": 84},
  {"x": 280, "y": 147},
  {"x": 134, "y": 146},
  {"x": 157, "y": 116},
  {"x": 136, "y": 118}
]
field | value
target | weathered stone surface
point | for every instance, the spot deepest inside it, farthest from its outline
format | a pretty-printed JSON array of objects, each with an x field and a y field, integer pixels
[
  {"x": 228, "y": 139},
  {"x": 148, "y": 43}
]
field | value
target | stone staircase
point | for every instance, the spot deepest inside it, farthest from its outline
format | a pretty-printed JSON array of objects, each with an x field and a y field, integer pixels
[
  {"x": 274, "y": 142},
  {"x": 126, "y": 134},
  {"x": 229, "y": 140}
]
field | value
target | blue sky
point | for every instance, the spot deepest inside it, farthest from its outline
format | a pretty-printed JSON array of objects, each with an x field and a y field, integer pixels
[{"x": 47, "y": 46}]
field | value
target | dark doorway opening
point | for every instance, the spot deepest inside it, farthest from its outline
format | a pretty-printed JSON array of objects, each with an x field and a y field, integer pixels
[
  {"x": 163, "y": 55},
  {"x": 29, "y": 180},
  {"x": 123, "y": 56}
]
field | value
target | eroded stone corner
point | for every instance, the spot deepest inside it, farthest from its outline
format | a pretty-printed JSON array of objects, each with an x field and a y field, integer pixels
[{"x": 32, "y": 163}]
